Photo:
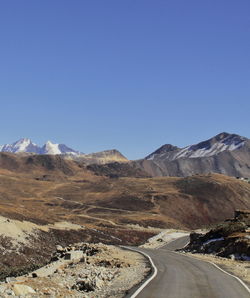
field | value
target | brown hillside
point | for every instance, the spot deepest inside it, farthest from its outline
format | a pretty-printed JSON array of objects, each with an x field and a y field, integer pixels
[
  {"x": 50, "y": 189},
  {"x": 56, "y": 194}
]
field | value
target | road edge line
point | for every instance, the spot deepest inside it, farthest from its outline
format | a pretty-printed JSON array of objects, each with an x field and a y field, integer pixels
[
  {"x": 236, "y": 277},
  {"x": 218, "y": 267},
  {"x": 147, "y": 280}
]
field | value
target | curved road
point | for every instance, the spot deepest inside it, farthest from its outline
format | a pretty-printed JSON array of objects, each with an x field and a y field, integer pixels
[{"x": 180, "y": 276}]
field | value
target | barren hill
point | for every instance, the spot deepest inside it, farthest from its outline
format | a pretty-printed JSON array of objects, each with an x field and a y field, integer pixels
[
  {"x": 47, "y": 200},
  {"x": 49, "y": 189}
]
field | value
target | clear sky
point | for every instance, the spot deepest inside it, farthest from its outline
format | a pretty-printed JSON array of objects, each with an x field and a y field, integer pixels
[{"x": 125, "y": 74}]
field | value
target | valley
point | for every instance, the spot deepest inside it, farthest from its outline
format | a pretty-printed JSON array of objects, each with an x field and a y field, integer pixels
[{"x": 48, "y": 200}]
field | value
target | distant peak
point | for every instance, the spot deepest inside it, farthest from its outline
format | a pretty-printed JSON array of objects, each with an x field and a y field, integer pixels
[
  {"x": 163, "y": 149},
  {"x": 224, "y": 135},
  {"x": 224, "y": 141},
  {"x": 49, "y": 142},
  {"x": 27, "y": 140},
  {"x": 26, "y": 145},
  {"x": 167, "y": 148}
]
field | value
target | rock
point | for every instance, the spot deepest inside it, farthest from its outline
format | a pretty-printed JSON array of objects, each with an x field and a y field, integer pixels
[
  {"x": 99, "y": 283},
  {"x": 242, "y": 215},
  {"x": 67, "y": 256},
  {"x": 195, "y": 236},
  {"x": 54, "y": 258},
  {"x": 59, "y": 248},
  {"x": 84, "y": 286},
  {"x": 22, "y": 290},
  {"x": 9, "y": 292},
  {"x": 2, "y": 289},
  {"x": 10, "y": 279},
  {"x": 59, "y": 271}
]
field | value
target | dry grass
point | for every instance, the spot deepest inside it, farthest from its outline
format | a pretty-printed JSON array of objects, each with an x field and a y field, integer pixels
[{"x": 87, "y": 199}]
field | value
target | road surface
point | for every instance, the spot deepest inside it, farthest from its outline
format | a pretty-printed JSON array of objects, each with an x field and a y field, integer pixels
[{"x": 180, "y": 276}]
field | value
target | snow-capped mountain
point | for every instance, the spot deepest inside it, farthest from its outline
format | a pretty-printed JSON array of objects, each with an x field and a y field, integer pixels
[
  {"x": 225, "y": 153},
  {"x": 50, "y": 148},
  {"x": 22, "y": 145},
  {"x": 222, "y": 142},
  {"x": 27, "y": 146}
]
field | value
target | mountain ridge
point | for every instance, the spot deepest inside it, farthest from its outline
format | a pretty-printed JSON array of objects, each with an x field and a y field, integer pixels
[
  {"x": 224, "y": 153},
  {"x": 25, "y": 145},
  {"x": 219, "y": 143}
]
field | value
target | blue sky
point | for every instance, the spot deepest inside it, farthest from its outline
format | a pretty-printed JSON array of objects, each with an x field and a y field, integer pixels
[{"x": 131, "y": 74}]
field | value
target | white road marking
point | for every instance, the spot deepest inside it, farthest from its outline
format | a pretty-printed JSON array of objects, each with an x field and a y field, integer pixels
[
  {"x": 149, "y": 279},
  {"x": 156, "y": 271},
  {"x": 237, "y": 278}
]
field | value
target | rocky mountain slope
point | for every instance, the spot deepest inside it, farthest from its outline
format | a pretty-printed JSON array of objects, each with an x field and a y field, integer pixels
[
  {"x": 30, "y": 185},
  {"x": 230, "y": 239},
  {"x": 47, "y": 200},
  {"x": 27, "y": 146},
  {"x": 100, "y": 158},
  {"x": 225, "y": 153}
]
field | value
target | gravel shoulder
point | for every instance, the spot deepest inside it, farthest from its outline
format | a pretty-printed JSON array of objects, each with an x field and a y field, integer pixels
[{"x": 163, "y": 238}]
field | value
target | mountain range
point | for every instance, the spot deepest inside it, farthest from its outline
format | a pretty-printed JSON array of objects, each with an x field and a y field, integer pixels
[
  {"x": 224, "y": 153},
  {"x": 57, "y": 192},
  {"x": 25, "y": 145}
]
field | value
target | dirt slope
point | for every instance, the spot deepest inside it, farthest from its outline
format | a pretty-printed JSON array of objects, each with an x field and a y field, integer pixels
[{"x": 47, "y": 189}]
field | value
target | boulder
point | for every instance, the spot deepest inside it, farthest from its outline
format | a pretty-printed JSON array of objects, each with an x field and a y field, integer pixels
[
  {"x": 59, "y": 248},
  {"x": 10, "y": 279},
  {"x": 19, "y": 290},
  {"x": 68, "y": 256}
]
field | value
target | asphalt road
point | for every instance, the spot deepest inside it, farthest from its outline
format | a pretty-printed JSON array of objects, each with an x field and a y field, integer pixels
[{"x": 180, "y": 276}]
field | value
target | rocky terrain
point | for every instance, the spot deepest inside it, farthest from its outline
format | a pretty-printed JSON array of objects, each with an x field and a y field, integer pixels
[
  {"x": 82, "y": 270},
  {"x": 117, "y": 169},
  {"x": 25, "y": 246},
  {"x": 103, "y": 157},
  {"x": 46, "y": 189},
  {"x": 48, "y": 200},
  {"x": 230, "y": 239},
  {"x": 225, "y": 153}
]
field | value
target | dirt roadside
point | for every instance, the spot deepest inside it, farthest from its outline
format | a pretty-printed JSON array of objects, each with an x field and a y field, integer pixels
[{"x": 98, "y": 271}]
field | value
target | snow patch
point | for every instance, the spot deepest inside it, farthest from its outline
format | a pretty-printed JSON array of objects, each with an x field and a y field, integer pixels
[
  {"x": 213, "y": 240},
  {"x": 203, "y": 149},
  {"x": 51, "y": 148}
]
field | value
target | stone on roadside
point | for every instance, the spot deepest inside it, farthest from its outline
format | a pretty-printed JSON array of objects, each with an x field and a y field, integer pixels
[
  {"x": 67, "y": 256},
  {"x": 10, "y": 279},
  {"x": 59, "y": 248},
  {"x": 9, "y": 292},
  {"x": 2, "y": 289},
  {"x": 22, "y": 290}
]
